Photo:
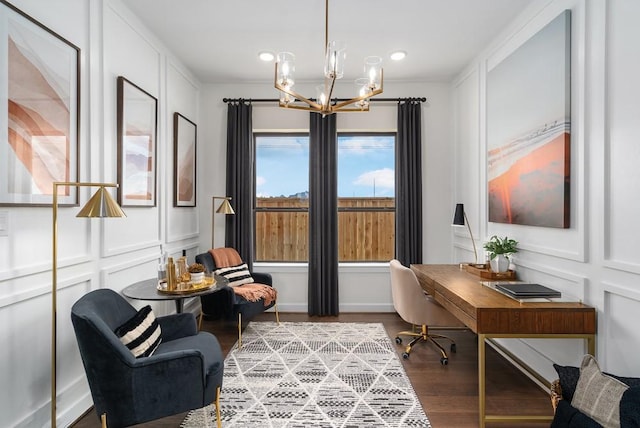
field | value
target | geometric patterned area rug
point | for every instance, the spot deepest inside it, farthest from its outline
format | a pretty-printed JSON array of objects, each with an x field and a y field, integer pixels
[{"x": 314, "y": 374}]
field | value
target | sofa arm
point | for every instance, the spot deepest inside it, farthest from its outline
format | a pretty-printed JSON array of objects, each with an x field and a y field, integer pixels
[
  {"x": 150, "y": 391},
  {"x": 262, "y": 278},
  {"x": 176, "y": 326}
]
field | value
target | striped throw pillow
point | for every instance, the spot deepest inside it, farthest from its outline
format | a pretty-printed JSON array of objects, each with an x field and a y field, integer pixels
[
  {"x": 237, "y": 275},
  {"x": 141, "y": 334}
]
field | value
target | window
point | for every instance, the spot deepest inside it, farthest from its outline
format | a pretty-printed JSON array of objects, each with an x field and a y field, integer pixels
[
  {"x": 366, "y": 197},
  {"x": 282, "y": 197}
]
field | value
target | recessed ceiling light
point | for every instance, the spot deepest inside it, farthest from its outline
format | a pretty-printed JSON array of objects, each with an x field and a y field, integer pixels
[
  {"x": 266, "y": 56},
  {"x": 398, "y": 55}
]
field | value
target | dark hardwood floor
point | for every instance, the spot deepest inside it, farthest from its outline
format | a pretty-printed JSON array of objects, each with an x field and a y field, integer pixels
[{"x": 449, "y": 394}]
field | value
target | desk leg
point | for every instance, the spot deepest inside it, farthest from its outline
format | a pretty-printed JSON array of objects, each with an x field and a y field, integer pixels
[
  {"x": 591, "y": 344},
  {"x": 179, "y": 305},
  {"x": 482, "y": 395},
  {"x": 481, "y": 379}
]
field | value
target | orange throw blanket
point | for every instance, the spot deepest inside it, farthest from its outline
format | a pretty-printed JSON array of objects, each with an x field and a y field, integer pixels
[
  {"x": 227, "y": 257},
  {"x": 254, "y": 292}
]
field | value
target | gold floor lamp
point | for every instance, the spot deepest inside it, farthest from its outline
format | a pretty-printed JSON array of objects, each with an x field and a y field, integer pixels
[
  {"x": 101, "y": 204},
  {"x": 224, "y": 208}
]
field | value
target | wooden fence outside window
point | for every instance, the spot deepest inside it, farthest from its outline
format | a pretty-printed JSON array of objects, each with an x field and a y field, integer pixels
[{"x": 366, "y": 229}]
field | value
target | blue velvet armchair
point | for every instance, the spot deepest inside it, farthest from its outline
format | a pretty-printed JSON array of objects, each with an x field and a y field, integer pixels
[
  {"x": 184, "y": 373},
  {"x": 228, "y": 305}
]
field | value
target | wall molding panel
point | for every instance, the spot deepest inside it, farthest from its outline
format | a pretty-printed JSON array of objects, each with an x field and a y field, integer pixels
[
  {"x": 621, "y": 175},
  {"x": 619, "y": 322}
]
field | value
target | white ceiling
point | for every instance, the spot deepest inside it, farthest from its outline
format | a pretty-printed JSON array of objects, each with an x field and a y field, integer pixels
[{"x": 219, "y": 40}]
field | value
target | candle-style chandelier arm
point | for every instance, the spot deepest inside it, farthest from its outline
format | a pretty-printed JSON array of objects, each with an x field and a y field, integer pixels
[
  {"x": 373, "y": 93},
  {"x": 294, "y": 94},
  {"x": 330, "y": 108}
]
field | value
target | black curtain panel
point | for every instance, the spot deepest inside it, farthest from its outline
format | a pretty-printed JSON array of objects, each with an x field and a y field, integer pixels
[
  {"x": 240, "y": 179},
  {"x": 409, "y": 183},
  {"x": 323, "y": 215}
]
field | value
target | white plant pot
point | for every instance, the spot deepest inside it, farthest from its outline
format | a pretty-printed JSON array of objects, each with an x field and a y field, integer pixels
[
  {"x": 197, "y": 278},
  {"x": 500, "y": 263}
]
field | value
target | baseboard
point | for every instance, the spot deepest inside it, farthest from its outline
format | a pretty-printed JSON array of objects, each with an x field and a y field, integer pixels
[
  {"x": 367, "y": 307},
  {"x": 346, "y": 308},
  {"x": 194, "y": 307}
]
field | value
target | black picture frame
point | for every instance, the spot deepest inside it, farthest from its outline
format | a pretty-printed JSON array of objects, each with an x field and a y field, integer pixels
[
  {"x": 137, "y": 124},
  {"x": 185, "y": 136},
  {"x": 41, "y": 73}
]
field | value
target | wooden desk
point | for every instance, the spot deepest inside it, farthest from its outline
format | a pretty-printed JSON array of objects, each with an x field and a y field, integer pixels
[{"x": 491, "y": 314}]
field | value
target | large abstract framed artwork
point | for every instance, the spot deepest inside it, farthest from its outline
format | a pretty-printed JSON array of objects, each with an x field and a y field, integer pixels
[
  {"x": 528, "y": 130},
  {"x": 184, "y": 161},
  {"x": 137, "y": 123},
  {"x": 39, "y": 111}
]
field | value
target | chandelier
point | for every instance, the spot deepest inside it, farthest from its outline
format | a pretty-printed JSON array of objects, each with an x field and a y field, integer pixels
[{"x": 335, "y": 52}]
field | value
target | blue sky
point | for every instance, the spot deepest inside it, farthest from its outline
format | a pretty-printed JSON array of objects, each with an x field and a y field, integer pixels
[{"x": 365, "y": 165}]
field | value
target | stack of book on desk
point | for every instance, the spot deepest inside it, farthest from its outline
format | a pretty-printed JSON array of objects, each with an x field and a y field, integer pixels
[{"x": 522, "y": 290}]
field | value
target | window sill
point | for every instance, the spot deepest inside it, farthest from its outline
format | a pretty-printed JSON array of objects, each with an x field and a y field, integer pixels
[{"x": 373, "y": 267}]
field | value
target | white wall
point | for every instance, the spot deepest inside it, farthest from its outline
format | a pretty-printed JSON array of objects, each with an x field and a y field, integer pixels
[
  {"x": 362, "y": 288},
  {"x": 597, "y": 259},
  {"x": 95, "y": 254}
]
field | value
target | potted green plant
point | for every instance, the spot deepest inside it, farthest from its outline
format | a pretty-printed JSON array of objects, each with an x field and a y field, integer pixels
[{"x": 500, "y": 249}]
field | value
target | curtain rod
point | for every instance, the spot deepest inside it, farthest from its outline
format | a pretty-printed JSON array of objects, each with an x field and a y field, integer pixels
[{"x": 275, "y": 100}]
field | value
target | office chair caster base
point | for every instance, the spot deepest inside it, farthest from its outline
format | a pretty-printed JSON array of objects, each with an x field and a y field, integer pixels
[
  {"x": 405, "y": 355},
  {"x": 444, "y": 361},
  {"x": 398, "y": 340}
]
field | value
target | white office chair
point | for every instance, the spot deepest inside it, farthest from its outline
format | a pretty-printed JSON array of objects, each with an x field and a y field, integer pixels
[{"x": 419, "y": 309}]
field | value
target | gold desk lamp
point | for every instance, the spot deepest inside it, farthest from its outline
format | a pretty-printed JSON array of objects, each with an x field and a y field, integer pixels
[
  {"x": 101, "y": 204},
  {"x": 224, "y": 208}
]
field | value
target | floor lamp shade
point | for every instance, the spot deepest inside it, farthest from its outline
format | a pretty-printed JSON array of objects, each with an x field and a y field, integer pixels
[
  {"x": 224, "y": 208},
  {"x": 101, "y": 204},
  {"x": 460, "y": 219}
]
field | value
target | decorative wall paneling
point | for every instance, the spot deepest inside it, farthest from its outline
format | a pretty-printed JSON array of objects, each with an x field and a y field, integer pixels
[
  {"x": 598, "y": 258},
  {"x": 468, "y": 183},
  {"x": 92, "y": 254},
  {"x": 182, "y": 223},
  {"x": 570, "y": 244},
  {"x": 622, "y": 151},
  {"x": 619, "y": 345}
]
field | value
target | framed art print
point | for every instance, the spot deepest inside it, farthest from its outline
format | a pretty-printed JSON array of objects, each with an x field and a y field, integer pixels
[
  {"x": 137, "y": 123},
  {"x": 184, "y": 161},
  {"x": 39, "y": 113},
  {"x": 529, "y": 130}
]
